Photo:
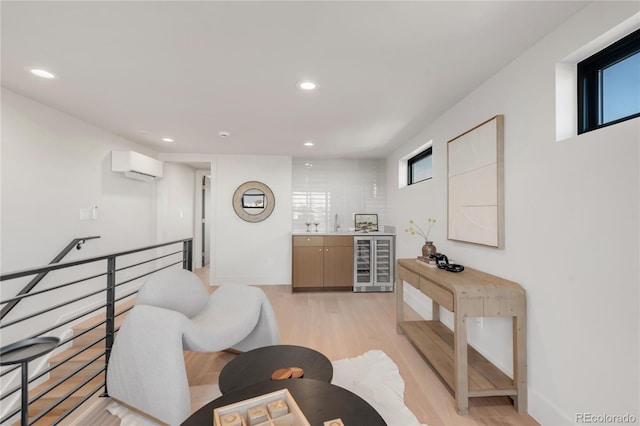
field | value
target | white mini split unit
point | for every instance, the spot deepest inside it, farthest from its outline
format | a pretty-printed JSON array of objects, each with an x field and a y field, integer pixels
[{"x": 135, "y": 165}]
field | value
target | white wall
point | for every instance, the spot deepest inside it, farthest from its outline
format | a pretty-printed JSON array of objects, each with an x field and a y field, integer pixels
[
  {"x": 52, "y": 166},
  {"x": 572, "y": 230},
  {"x": 244, "y": 252},
  {"x": 175, "y": 203}
]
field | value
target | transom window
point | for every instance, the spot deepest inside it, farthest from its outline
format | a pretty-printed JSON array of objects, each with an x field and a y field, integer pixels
[
  {"x": 609, "y": 85},
  {"x": 419, "y": 167}
]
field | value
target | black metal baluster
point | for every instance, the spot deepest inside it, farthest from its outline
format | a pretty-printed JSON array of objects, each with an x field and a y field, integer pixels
[
  {"x": 188, "y": 255},
  {"x": 110, "y": 313}
]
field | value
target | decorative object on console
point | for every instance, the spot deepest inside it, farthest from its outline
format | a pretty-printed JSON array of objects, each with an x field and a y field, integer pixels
[
  {"x": 429, "y": 261},
  {"x": 428, "y": 249},
  {"x": 442, "y": 262}
]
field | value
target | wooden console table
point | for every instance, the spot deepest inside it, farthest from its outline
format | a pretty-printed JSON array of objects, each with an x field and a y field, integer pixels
[{"x": 470, "y": 293}]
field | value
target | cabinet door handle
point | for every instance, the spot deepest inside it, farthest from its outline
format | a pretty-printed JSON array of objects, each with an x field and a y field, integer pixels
[
  {"x": 320, "y": 250},
  {"x": 326, "y": 249}
]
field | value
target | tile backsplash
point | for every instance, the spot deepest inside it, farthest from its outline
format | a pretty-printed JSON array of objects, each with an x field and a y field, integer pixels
[{"x": 323, "y": 188}]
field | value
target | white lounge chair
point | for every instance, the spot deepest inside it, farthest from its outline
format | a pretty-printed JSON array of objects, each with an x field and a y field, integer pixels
[{"x": 173, "y": 312}]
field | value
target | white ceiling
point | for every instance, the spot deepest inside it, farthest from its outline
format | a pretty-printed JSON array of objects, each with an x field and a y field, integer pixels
[{"x": 187, "y": 70}]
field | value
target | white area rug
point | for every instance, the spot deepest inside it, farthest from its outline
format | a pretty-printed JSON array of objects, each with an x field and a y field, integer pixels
[{"x": 373, "y": 376}]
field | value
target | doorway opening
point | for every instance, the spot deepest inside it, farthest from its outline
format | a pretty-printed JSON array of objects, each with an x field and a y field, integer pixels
[{"x": 205, "y": 220}]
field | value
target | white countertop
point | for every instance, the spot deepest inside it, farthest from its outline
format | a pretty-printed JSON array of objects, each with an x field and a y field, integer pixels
[{"x": 345, "y": 234}]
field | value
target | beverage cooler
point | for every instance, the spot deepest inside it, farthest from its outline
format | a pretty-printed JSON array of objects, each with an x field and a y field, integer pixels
[{"x": 374, "y": 262}]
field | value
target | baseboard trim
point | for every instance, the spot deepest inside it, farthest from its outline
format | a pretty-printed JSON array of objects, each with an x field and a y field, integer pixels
[{"x": 545, "y": 412}]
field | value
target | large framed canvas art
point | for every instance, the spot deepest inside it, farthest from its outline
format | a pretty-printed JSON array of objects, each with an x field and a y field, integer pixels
[{"x": 475, "y": 190}]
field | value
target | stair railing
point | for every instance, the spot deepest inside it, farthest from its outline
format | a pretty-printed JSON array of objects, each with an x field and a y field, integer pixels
[
  {"x": 76, "y": 243},
  {"x": 112, "y": 294}
]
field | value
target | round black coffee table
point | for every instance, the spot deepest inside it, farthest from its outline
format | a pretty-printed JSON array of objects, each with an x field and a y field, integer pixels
[
  {"x": 257, "y": 366},
  {"x": 318, "y": 401}
]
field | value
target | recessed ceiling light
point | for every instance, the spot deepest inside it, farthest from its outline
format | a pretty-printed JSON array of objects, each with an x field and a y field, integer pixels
[
  {"x": 307, "y": 85},
  {"x": 167, "y": 140},
  {"x": 224, "y": 134},
  {"x": 308, "y": 143},
  {"x": 308, "y": 164},
  {"x": 42, "y": 73}
]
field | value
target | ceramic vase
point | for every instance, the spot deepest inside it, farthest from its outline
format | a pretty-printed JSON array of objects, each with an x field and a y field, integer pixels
[{"x": 428, "y": 249}]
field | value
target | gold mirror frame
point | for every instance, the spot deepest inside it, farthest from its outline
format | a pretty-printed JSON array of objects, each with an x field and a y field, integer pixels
[{"x": 242, "y": 212}]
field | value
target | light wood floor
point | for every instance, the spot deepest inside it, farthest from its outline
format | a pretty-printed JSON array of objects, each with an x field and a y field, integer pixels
[{"x": 343, "y": 325}]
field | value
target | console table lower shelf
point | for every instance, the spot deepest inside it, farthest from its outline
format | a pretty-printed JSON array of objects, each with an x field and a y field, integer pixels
[{"x": 435, "y": 341}]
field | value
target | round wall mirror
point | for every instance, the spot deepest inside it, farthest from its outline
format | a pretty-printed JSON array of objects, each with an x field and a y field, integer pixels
[{"x": 253, "y": 201}]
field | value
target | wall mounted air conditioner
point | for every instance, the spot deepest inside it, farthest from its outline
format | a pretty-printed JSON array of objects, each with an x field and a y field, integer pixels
[{"x": 135, "y": 165}]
